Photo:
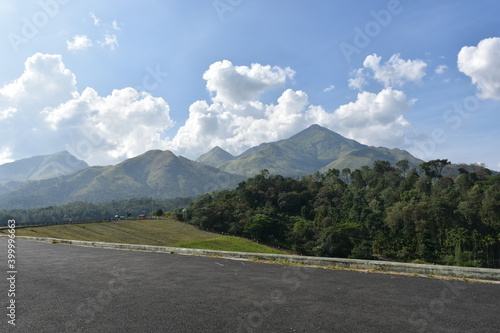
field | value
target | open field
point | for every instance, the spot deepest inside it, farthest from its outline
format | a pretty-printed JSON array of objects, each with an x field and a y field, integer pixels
[{"x": 163, "y": 232}]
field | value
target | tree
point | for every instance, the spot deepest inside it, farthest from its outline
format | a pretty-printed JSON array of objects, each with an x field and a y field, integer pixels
[
  {"x": 382, "y": 167},
  {"x": 403, "y": 165},
  {"x": 332, "y": 173},
  {"x": 434, "y": 168},
  {"x": 346, "y": 174},
  {"x": 431, "y": 218},
  {"x": 264, "y": 228}
]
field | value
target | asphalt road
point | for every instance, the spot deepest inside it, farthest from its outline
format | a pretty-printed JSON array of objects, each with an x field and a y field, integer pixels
[{"x": 65, "y": 288}]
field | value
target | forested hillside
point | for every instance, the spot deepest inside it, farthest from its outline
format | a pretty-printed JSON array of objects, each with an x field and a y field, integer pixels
[{"x": 380, "y": 212}]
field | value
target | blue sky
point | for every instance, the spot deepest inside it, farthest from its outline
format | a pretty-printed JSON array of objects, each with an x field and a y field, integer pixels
[{"x": 108, "y": 80}]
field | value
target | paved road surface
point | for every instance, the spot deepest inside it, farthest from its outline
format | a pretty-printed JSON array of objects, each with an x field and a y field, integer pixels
[{"x": 65, "y": 288}]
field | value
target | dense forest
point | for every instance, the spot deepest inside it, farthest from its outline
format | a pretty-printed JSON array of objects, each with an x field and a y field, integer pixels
[
  {"x": 79, "y": 211},
  {"x": 384, "y": 212}
]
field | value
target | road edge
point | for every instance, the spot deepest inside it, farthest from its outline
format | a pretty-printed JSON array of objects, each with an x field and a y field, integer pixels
[{"x": 343, "y": 263}]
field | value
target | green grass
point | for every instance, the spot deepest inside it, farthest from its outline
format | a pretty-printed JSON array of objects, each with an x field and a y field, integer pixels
[
  {"x": 163, "y": 232},
  {"x": 229, "y": 243}
]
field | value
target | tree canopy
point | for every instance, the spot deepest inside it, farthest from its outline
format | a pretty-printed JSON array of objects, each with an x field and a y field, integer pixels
[{"x": 380, "y": 212}]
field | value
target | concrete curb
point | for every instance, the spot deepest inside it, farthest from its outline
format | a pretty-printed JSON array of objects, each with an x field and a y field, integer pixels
[{"x": 373, "y": 265}]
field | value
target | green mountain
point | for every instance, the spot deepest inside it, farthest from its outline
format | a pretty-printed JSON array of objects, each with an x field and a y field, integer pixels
[
  {"x": 366, "y": 156},
  {"x": 156, "y": 173},
  {"x": 161, "y": 174},
  {"x": 314, "y": 149},
  {"x": 17, "y": 173},
  {"x": 41, "y": 167},
  {"x": 215, "y": 157}
]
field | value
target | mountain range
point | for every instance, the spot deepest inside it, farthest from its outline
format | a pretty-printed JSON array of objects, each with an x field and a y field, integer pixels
[
  {"x": 156, "y": 173},
  {"x": 17, "y": 173},
  {"x": 48, "y": 180},
  {"x": 313, "y": 149}
]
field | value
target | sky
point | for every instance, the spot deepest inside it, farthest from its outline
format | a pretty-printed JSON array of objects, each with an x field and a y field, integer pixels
[{"x": 110, "y": 80}]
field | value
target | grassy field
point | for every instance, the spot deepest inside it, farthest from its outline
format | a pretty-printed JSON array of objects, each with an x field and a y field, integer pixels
[{"x": 164, "y": 232}]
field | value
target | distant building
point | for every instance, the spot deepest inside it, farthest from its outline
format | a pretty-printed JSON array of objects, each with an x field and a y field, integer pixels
[{"x": 142, "y": 216}]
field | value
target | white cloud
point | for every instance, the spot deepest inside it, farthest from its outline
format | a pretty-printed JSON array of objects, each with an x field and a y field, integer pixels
[
  {"x": 329, "y": 88},
  {"x": 237, "y": 127},
  {"x": 109, "y": 41},
  {"x": 115, "y": 25},
  {"x": 396, "y": 71},
  {"x": 121, "y": 125},
  {"x": 5, "y": 156},
  {"x": 358, "y": 81},
  {"x": 482, "y": 64},
  {"x": 7, "y": 113},
  {"x": 374, "y": 119},
  {"x": 97, "y": 21},
  {"x": 79, "y": 42},
  {"x": 237, "y": 120},
  {"x": 43, "y": 112},
  {"x": 440, "y": 69},
  {"x": 238, "y": 84},
  {"x": 51, "y": 115},
  {"x": 45, "y": 81}
]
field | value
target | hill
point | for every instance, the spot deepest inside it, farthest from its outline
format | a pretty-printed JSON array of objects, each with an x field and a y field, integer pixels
[
  {"x": 14, "y": 174},
  {"x": 366, "y": 156},
  {"x": 156, "y": 173},
  {"x": 164, "y": 232},
  {"x": 215, "y": 157},
  {"x": 377, "y": 212},
  {"x": 162, "y": 174},
  {"x": 313, "y": 149}
]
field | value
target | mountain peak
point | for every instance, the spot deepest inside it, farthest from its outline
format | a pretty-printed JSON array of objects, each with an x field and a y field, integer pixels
[
  {"x": 324, "y": 138},
  {"x": 316, "y": 129},
  {"x": 41, "y": 167},
  {"x": 155, "y": 173},
  {"x": 315, "y": 148},
  {"x": 215, "y": 157}
]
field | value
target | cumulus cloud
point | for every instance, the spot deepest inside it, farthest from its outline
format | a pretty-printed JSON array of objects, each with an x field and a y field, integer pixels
[
  {"x": 79, "y": 42},
  {"x": 42, "y": 112},
  {"x": 121, "y": 125},
  {"x": 395, "y": 72},
  {"x": 45, "y": 81},
  {"x": 358, "y": 81},
  {"x": 236, "y": 120},
  {"x": 374, "y": 119},
  {"x": 482, "y": 64},
  {"x": 237, "y": 127},
  {"x": 238, "y": 84}
]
